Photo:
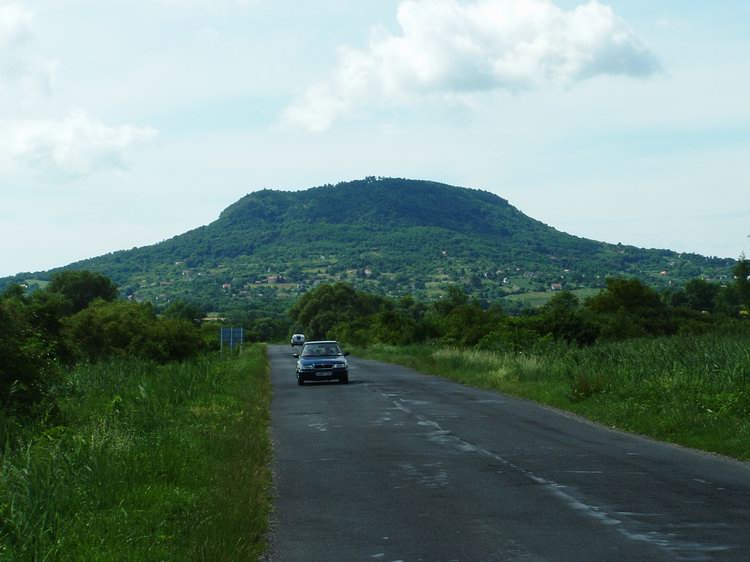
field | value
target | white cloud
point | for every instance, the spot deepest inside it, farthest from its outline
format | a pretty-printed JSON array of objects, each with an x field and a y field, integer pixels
[
  {"x": 15, "y": 24},
  {"x": 20, "y": 67},
  {"x": 455, "y": 48},
  {"x": 74, "y": 146}
]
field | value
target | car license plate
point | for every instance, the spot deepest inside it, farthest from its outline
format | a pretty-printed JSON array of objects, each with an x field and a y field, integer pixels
[{"x": 324, "y": 373}]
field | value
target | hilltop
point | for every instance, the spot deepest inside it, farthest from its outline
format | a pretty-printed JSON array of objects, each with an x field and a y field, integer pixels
[{"x": 386, "y": 235}]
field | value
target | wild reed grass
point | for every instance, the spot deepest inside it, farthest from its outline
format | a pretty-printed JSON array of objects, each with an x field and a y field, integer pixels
[
  {"x": 693, "y": 390},
  {"x": 149, "y": 463}
]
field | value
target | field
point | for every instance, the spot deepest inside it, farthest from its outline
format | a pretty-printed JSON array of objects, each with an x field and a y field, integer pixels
[
  {"x": 540, "y": 298},
  {"x": 144, "y": 462},
  {"x": 689, "y": 390}
]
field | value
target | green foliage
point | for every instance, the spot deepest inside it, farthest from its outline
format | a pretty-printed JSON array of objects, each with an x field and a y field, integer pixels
[
  {"x": 27, "y": 366},
  {"x": 341, "y": 312},
  {"x": 181, "y": 310},
  {"x": 82, "y": 287},
  {"x": 564, "y": 319},
  {"x": 628, "y": 308},
  {"x": 319, "y": 310},
  {"x": 148, "y": 463},
  {"x": 692, "y": 390},
  {"x": 630, "y": 296},
  {"x": 461, "y": 320},
  {"x": 741, "y": 286},
  {"x": 515, "y": 335},
  {"x": 624, "y": 309},
  {"x": 386, "y": 236},
  {"x": 126, "y": 329},
  {"x": 14, "y": 291},
  {"x": 71, "y": 319},
  {"x": 698, "y": 295}
]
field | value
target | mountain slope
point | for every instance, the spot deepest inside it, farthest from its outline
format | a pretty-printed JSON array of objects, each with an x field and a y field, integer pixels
[{"x": 388, "y": 235}]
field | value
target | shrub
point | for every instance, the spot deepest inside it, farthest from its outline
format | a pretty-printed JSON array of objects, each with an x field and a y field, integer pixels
[
  {"x": 122, "y": 329},
  {"x": 82, "y": 287},
  {"x": 27, "y": 366}
]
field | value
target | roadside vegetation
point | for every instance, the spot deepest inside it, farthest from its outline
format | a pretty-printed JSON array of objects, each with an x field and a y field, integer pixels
[
  {"x": 674, "y": 365},
  {"x": 124, "y": 435},
  {"x": 692, "y": 390}
]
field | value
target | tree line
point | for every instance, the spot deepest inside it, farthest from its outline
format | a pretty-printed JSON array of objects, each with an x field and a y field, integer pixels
[
  {"x": 78, "y": 317},
  {"x": 625, "y": 308}
]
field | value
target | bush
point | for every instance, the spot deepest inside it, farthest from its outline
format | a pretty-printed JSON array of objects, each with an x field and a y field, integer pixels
[
  {"x": 82, "y": 287},
  {"x": 563, "y": 318},
  {"x": 172, "y": 339},
  {"x": 122, "y": 329},
  {"x": 628, "y": 308},
  {"x": 27, "y": 365}
]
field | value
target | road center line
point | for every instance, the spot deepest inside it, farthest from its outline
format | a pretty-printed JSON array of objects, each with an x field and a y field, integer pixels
[{"x": 653, "y": 537}]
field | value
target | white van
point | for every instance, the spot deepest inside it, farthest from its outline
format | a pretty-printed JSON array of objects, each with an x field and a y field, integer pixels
[{"x": 298, "y": 339}]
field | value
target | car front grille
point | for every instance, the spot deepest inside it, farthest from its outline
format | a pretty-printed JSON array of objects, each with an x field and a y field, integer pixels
[{"x": 323, "y": 366}]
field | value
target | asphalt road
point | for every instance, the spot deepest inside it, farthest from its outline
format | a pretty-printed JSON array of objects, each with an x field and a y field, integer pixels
[{"x": 402, "y": 466}]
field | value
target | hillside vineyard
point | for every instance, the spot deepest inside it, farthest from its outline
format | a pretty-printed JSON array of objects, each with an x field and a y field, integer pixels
[{"x": 384, "y": 235}]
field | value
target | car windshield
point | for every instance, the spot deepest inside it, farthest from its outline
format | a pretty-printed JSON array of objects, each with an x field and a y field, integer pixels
[{"x": 321, "y": 350}]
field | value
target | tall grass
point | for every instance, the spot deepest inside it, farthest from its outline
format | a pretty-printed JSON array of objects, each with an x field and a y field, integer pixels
[
  {"x": 152, "y": 463},
  {"x": 691, "y": 390}
]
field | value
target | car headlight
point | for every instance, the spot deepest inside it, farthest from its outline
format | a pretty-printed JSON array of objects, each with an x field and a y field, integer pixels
[
  {"x": 306, "y": 367},
  {"x": 342, "y": 365}
]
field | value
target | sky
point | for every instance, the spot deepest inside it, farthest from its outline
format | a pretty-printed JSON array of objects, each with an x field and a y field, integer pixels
[{"x": 125, "y": 123}]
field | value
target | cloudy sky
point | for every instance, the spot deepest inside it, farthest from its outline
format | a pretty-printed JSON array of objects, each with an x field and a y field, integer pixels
[{"x": 124, "y": 123}]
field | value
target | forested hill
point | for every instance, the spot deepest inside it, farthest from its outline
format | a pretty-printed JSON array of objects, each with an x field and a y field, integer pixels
[{"x": 387, "y": 235}]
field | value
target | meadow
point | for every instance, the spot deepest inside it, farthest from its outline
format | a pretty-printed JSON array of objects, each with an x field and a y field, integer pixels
[
  {"x": 140, "y": 461},
  {"x": 692, "y": 390}
]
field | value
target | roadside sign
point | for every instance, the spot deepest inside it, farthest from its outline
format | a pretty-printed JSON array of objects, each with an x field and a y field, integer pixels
[{"x": 231, "y": 337}]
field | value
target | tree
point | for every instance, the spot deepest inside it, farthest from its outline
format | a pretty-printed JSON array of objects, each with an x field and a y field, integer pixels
[
  {"x": 110, "y": 329},
  {"x": 741, "y": 274},
  {"x": 172, "y": 339},
  {"x": 454, "y": 297},
  {"x": 82, "y": 287},
  {"x": 629, "y": 308},
  {"x": 697, "y": 294},
  {"x": 14, "y": 291},
  {"x": 320, "y": 309},
  {"x": 268, "y": 329},
  {"x": 27, "y": 367},
  {"x": 734, "y": 299},
  {"x": 461, "y": 320},
  {"x": 626, "y": 295},
  {"x": 182, "y": 310},
  {"x": 120, "y": 329},
  {"x": 564, "y": 319}
]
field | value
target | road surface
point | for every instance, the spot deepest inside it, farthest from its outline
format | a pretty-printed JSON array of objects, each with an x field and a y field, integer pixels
[{"x": 402, "y": 466}]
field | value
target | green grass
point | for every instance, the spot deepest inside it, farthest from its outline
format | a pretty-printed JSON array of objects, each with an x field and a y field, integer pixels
[
  {"x": 151, "y": 463},
  {"x": 690, "y": 390},
  {"x": 37, "y": 283}
]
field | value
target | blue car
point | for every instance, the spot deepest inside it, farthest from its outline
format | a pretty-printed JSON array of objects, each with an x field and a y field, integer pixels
[{"x": 322, "y": 361}]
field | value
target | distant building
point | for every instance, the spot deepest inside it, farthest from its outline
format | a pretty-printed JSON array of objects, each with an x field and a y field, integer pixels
[{"x": 556, "y": 286}]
